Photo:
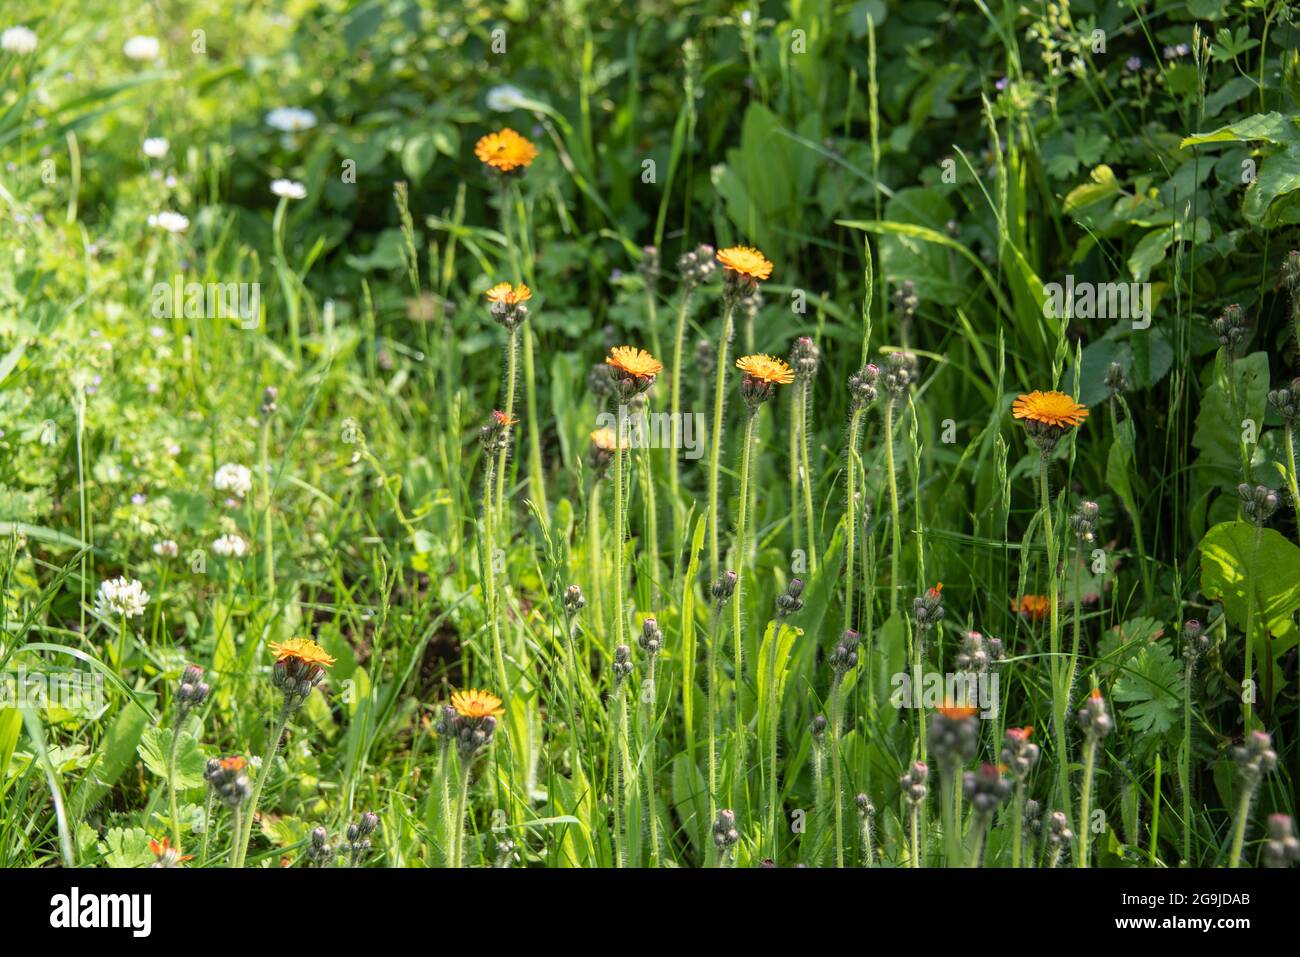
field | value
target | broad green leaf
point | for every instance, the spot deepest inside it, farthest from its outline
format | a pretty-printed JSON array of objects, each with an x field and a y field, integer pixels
[
  {"x": 1273, "y": 127},
  {"x": 190, "y": 762}
]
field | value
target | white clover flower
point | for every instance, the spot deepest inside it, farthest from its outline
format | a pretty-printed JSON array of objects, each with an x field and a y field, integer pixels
[
  {"x": 228, "y": 546},
  {"x": 166, "y": 548},
  {"x": 172, "y": 222},
  {"x": 121, "y": 596},
  {"x": 156, "y": 147},
  {"x": 288, "y": 188},
  {"x": 504, "y": 98},
  {"x": 291, "y": 119},
  {"x": 233, "y": 478},
  {"x": 18, "y": 40},
  {"x": 142, "y": 48}
]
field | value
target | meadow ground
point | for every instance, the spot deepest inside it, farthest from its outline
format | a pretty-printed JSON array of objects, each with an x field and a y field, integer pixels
[{"x": 673, "y": 434}]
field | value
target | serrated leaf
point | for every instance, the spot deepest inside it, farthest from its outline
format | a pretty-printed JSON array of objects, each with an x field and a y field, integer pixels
[
  {"x": 190, "y": 761},
  {"x": 1150, "y": 690}
]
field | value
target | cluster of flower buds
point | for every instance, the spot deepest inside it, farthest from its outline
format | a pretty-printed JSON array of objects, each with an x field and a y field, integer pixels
[
  {"x": 1058, "y": 830},
  {"x": 622, "y": 664},
  {"x": 723, "y": 588},
  {"x": 296, "y": 677},
  {"x": 1019, "y": 754},
  {"x": 737, "y": 287},
  {"x": 319, "y": 852},
  {"x": 505, "y": 853},
  {"x": 789, "y": 602},
  {"x": 913, "y": 784},
  {"x": 193, "y": 690},
  {"x": 651, "y": 639},
  {"x": 901, "y": 370},
  {"x": 1196, "y": 640},
  {"x": 977, "y": 653},
  {"x": 358, "y": 837},
  {"x": 756, "y": 390},
  {"x": 927, "y": 609},
  {"x": 510, "y": 311},
  {"x": 1255, "y": 756},
  {"x": 574, "y": 600},
  {"x": 649, "y": 265},
  {"x": 706, "y": 358},
  {"x": 1282, "y": 849},
  {"x": 697, "y": 266},
  {"x": 1287, "y": 402},
  {"x": 1258, "y": 502},
  {"x": 905, "y": 302},
  {"x": 1033, "y": 817},
  {"x": 1084, "y": 521},
  {"x": 270, "y": 397},
  {"x": 748, "y": 306},
  {"x": 1230, "y": 328},
  {"x": 818, "y": 728},
  {"x": 469, "y": 734},
  {"x": 495, "y": 436},
  {"x": 1116, "y": 381},
  {"x": 228, "y": 779},
  {"x": 865, "y": 807},
  {"x": 845, "y": 656},
  {"x": 630, "y": 387},
  {"x": 725, "y": 835},
  {"x": 805, "y": 358},
  {"x": 985, "y": 789},
  {"x": 862, "y": 385},
  {"x": 954, "y": 735},
  {"x": 1092, "y": 717}
]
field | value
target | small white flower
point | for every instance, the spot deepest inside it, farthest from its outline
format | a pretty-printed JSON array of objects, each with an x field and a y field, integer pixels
[
  {"x": 121, "y": 596},
  {"x": 18, "y": 40},
  {"x": 172, "y": 222},
  {"x": 230, "y": 545},
  {"x": 166, "y": 548},
  {"x": 504, "y": 98},
  {"x": 233, "y": 478},
  {"x": 288, "y": 188},
  {"x": 291, "y": 119},
  {"x": 156, "y": 147},
  {"x": 142, "y": 48}
]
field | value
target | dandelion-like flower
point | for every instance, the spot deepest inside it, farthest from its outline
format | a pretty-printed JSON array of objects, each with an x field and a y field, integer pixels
[
  {"x": 156, "y": 147},
  {"x": 633, "y": 370},
  {"x": 1032, "y": 607},
  {"x": 508, "y": 303},
  {"x": 1048, "y": 416},
  {"x": 476, "y": 704},
  {"x": 505, "y": 151},
  {"x": 745, "y": 261},
  {"x": 290, "y": 119},
  {"x": 121, "y": 596},
  {"x": 762, "y": 375},
  {"x": 142, "y": 48},
  {"x": 288, "y": 189},
  {"x": 300, "y": 665},
  {"x": 230, "y": 546},
  {"x": 169, "y": 221},
  {"x": 18, "y": 40},
  {"x": 470, "y": 720},
  {"x": 165, "y": 855},
  {"x": 234, "y": 478}
]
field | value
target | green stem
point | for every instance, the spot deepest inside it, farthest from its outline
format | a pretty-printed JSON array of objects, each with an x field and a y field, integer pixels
[
  {"x": 620, "y": 612},
  {"x": 806, "y": 475},
  {"x": 650, "y": 766},
  {"x": 675, "y": 414},
  {"x": 1239, "y": 823},
  {"x": 715, "y": 439},
  {"x": 458, "y": 819},
  {"x": 267, "y": 529},
  {"x": 171, "y": 784},
  {"x": 207, "y": 829},
  {"x": 1185, "y": 763},
  {"x": 836, "y": 770},
  {"x": 1085, "y": 800},
  {"x": 851, "y": 521},
  {"x": 512, "y": 353},
  {"x": 737, "y": 633},
  {"x": 268, "y": 759},
  {"x": 895, "y": 522},
  {"x": 1247, "y": 679},
  {"x": 1018, "y": 825}
]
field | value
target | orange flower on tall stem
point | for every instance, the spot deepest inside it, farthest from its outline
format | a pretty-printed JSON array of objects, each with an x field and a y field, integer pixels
[{"x": 505, "y": 151}]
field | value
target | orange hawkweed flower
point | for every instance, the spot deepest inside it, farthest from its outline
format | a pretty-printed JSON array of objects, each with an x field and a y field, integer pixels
[
  {"x": 509, "y": 295},
  {"x": 957, "y": 712},
  {"x": 232, "y": 764},
  {"x": 745, "y": 260},
  {"x": 502, "y": 419},
  {"x": 605, "y": 440},
  {"x": 634, "y": 362},
  {"x": 1055, "y": 409},
  {"x": 1034, "y": 607},
  {"x": 766, "y": 369},
  {"x": 301, "y": 649},
  {"x": 165, "y": 854},
  {"x": 505, "y": 150},
  {"x": 476, "y": 704}
]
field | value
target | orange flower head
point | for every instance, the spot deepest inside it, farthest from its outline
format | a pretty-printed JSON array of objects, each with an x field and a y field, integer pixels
[
  {"x": 956, "y": 712},
  {"x": 1022, "y": 734},
  {"x": 166, "y": 854},
  {"x": 1033, "y": 607},
  {"x": 604, "y": 440},
  {"x": 745, "y": 260},
  {"x": 232, "y": 764},
  {"x": 634, "y": 362},
  {"x": 935, "y": 591},
  {"x": 1054, "y": 409},
  {"x": 502, "y": 420},
  {"x": 301, "y": 649},
  {"x": 766, "y": 369},
  {"x": 476, "y": 704},
  {"x": 508, "y": 295},
  {"x": 505, "y": 151}
]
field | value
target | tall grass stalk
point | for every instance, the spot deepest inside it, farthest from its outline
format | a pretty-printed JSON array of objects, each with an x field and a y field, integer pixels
[{"x": 715, "y": 436}]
